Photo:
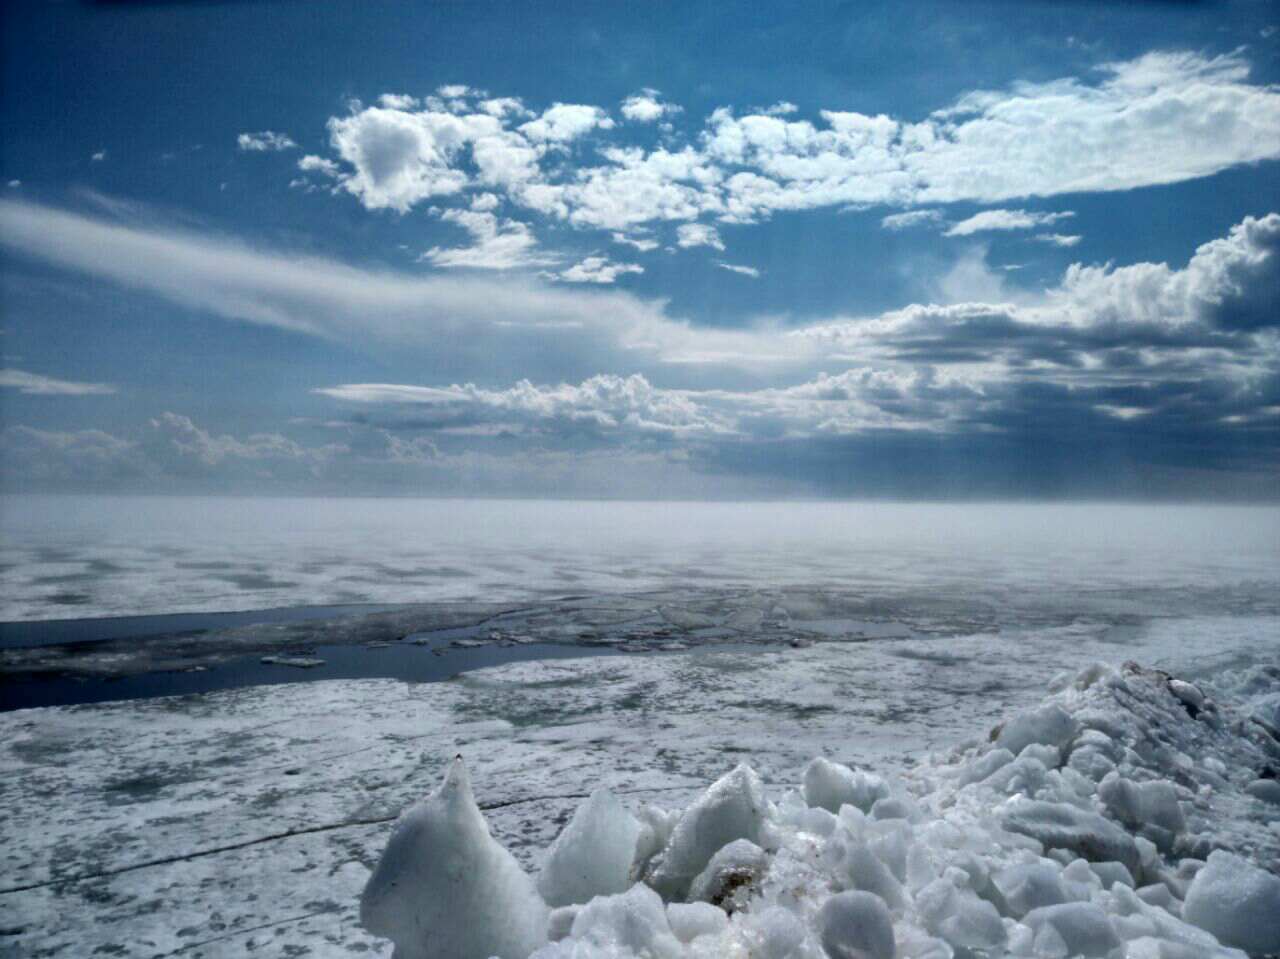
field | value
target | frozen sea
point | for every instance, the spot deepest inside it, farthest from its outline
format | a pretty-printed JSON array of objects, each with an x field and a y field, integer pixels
[
  {"x": 561, "y": 646},
  {"x": 66, "y": 557}
]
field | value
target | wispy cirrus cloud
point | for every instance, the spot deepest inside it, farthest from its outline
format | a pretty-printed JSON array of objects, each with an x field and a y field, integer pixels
[
  {"x": 1005, "y": 220},
  {"x": 36, "y": 384}
]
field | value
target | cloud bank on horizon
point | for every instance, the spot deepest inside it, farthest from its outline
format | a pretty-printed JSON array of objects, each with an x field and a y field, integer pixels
[{"x": 548, "y": 340}]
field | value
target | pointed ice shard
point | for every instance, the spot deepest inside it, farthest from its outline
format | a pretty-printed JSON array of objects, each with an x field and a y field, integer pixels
[{"x": 445, "y": 889}]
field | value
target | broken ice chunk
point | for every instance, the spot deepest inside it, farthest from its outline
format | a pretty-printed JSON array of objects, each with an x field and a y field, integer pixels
[
  {"x": 1237, "y": 902},
  {"x": 856, "y": 925},
  {"x": 734, "y": 807},
  {"x": 592, "y": 856},
  {"x": 731, "y": 874},
  {"x": 829, "y": 785},
  {"x": 445, "y": 889},
  {"x": 1050, "y": 724}
]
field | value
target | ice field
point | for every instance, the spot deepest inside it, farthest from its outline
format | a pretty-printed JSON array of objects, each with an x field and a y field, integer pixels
[{"x": 918, "y": 757}]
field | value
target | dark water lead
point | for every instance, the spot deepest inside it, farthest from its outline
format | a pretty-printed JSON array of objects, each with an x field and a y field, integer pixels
[
  {"x": 425, "y": 658},
  {"x": 56, "y": 632}
]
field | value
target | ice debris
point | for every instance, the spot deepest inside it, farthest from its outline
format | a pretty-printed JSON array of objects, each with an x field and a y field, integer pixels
[{"x": 1130, "y": 816}]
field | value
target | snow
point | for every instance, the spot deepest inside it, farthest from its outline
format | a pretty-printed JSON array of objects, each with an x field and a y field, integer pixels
[{"x": 445, "y": 889}]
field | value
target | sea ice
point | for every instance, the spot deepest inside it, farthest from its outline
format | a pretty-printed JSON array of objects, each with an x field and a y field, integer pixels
[
  {"x": 445, "y": 889},
  {"x": 1237, "y": 902},
  {"x": 856, "y": 925},
  {"x": 594, "y": 854},
  {"x": 734, "y": 807}
]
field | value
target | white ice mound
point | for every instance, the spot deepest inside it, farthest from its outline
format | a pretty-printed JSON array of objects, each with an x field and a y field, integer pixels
[
  {"x": 1050, "y": 725},
  {"x": 610, "y": 927},
  {"x": 734, "y": 807},
  {"x": 856, "y": 925},
  {"x": 593, "y": 856},
  {"x": 731, "y": 875},
  {"x": 445, "y": 889},
  {"x": 829, "y": 785},
  {"x": 1237, "y": 902}
]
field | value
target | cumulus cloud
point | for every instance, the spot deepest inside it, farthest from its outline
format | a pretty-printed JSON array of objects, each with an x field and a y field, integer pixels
[
  {"x": 268, "y": 141},
  {"x": 98, "y": 157},
  {"x": 596, "y": 269},
  {"x": 913, "y": 218},
  {"x": 1162, "y": 118},
  {"x": 647, "y": 107},
  {"x": 698, "y": 234},
  {"x": 497, "y": 244},
  {"x": 34, "y": 384},
  {"x": 1189, "y": 350},
  {"x": 750, "y": 271},
  {"x": 1005, "y": 220},
  {"x": 566, "y": 121},
  {"x": 622, "y": 408}
]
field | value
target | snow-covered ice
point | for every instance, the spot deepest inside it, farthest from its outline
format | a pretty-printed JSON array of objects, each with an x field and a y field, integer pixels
[{"x": 249, "y": 821}]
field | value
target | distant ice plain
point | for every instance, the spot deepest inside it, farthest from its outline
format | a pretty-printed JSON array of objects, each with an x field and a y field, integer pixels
[{"x": 68, "y": 557}]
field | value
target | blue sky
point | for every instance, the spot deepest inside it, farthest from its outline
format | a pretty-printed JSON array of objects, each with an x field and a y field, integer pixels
[{"x": 693, "y": 250}]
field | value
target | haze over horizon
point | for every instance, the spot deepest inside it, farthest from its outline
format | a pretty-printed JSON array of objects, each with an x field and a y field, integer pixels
[{"x": 690, "y": 251}]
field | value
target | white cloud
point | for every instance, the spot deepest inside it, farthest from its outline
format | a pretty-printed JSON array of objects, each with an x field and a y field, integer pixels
[
  {"x": 264, "y": 142},
  {"x": 486, "y": 319},
  {"x": 401, "y": 158},
  {"x": 565, "y": 122},
  {"x": 14, "y": 184},
  {"x": 698, "y": 234},
  {"x": 314, "y": 164},
  {"x": 1125, "y": 336},
  {"x": 1058, "y": 239},
  {"x": 98, "y": 157},
  {"x": 1161, "y": 118},
  {"x": 1005, "y": 220},
  {"x": 647, "y": 107},
  {"x": 643, "y": 244},
  {"x": 34, "y": 384},
  {"x": 497, "y": 244},
  {"x": 913, "y": 218},
  {"x": 750, "y": 271},
  {"x": 597, "y": 269},
  {"x": 398, "y": 101}
]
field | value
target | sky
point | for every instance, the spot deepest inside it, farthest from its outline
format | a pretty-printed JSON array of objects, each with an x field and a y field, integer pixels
[{"x": 922, "y": 250}]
